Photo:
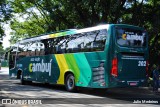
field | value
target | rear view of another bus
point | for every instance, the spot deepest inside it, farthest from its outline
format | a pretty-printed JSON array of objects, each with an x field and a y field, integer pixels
[{"x": 129, "y": 62}]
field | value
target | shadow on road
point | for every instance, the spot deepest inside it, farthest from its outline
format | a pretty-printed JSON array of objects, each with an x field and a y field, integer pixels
[
  {"x": 120, "y": 95},
  {"x": 116, "y": 93},
  {"x": 124, "y": 94}
]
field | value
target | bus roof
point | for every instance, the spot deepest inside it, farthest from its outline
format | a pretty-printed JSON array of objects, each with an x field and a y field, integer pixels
[
  {"x": 69, "y": 32},
  {"x": 64, "y": 33}
]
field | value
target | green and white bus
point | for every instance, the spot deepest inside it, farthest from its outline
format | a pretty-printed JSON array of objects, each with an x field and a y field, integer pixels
[{"x": 104, "y": 56}]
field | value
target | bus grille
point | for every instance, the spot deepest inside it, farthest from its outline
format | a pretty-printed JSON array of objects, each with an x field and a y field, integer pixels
[{"x": 98, "y": 74}]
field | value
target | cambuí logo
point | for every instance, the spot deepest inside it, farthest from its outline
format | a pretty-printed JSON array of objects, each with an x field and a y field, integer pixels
[
  {"x": 40, "y": 67},
  {"x": 135, "y": 37},
  {"x": 124, "y": 36}
]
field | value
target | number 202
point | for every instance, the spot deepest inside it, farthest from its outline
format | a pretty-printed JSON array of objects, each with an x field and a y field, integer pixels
[{"x": 141, "y": 63}]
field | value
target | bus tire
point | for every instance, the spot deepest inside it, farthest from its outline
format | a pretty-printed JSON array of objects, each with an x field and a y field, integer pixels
[
  {"x": 19, "y": 73},
  {"x": 70, "y": 83},
  {"x": 23, "y": 82}
]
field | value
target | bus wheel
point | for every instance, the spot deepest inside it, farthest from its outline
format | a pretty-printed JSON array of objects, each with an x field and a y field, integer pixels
[
  {"x": 19, "y": 73},
  {"x": 23, "y": 82},
  {"x": 70, "y": 83}
]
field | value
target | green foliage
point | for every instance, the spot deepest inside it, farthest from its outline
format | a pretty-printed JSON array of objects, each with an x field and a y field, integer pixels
[
  {"x": 5, "y": 14},
  {"x": 27, "y": 29},
  {"x": 43, "y": 16},
  {"x": 2, "y": 51}
]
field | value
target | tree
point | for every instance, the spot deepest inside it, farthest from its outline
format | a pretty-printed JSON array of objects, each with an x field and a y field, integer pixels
[
  {"x": 65, "y": 14},
  {"x": 2, "y": 51},
  {"x": 43, "y": 16},
  {"x": 5, "y": 14},
  {"x": 27, "y": 29}
]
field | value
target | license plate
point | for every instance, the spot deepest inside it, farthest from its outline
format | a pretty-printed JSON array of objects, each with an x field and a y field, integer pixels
[{"x": 133, "y": 84}]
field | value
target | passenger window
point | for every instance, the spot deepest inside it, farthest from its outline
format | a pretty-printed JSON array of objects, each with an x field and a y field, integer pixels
[{"x": 87, "y": 42}]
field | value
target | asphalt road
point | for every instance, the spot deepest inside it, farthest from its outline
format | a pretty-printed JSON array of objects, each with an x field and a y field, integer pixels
[{"x": 39, "y": 95}]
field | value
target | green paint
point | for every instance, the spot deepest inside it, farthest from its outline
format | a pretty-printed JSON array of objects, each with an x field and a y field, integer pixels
[
  {"x": 72, "y": 64},
  {"x": 85, "y": 70}
]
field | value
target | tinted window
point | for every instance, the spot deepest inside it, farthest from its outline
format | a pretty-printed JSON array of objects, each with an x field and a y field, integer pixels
[
  {"x": 54, "y": 45},
  {"x": 35, "y": 48},
  {"x": 131, "y": 37},
  {"x": 81, "y": 42},
  {"x": 87, "y": 42}
]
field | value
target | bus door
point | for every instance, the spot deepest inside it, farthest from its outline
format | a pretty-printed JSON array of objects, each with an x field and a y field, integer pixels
[
  {"x": 130, "y": 58},
  {"x": 12, "y": 58}
]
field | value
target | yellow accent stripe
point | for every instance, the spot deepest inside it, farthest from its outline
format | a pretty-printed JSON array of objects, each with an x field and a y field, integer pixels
[
  {"x": 52, "y": 36},
  {"x": 56, "y": 35},
  {"x": 63, "y": 67}
]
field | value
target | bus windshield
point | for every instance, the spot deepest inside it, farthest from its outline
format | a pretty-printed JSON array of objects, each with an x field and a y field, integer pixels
[{"x": 129, "y": 37}]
